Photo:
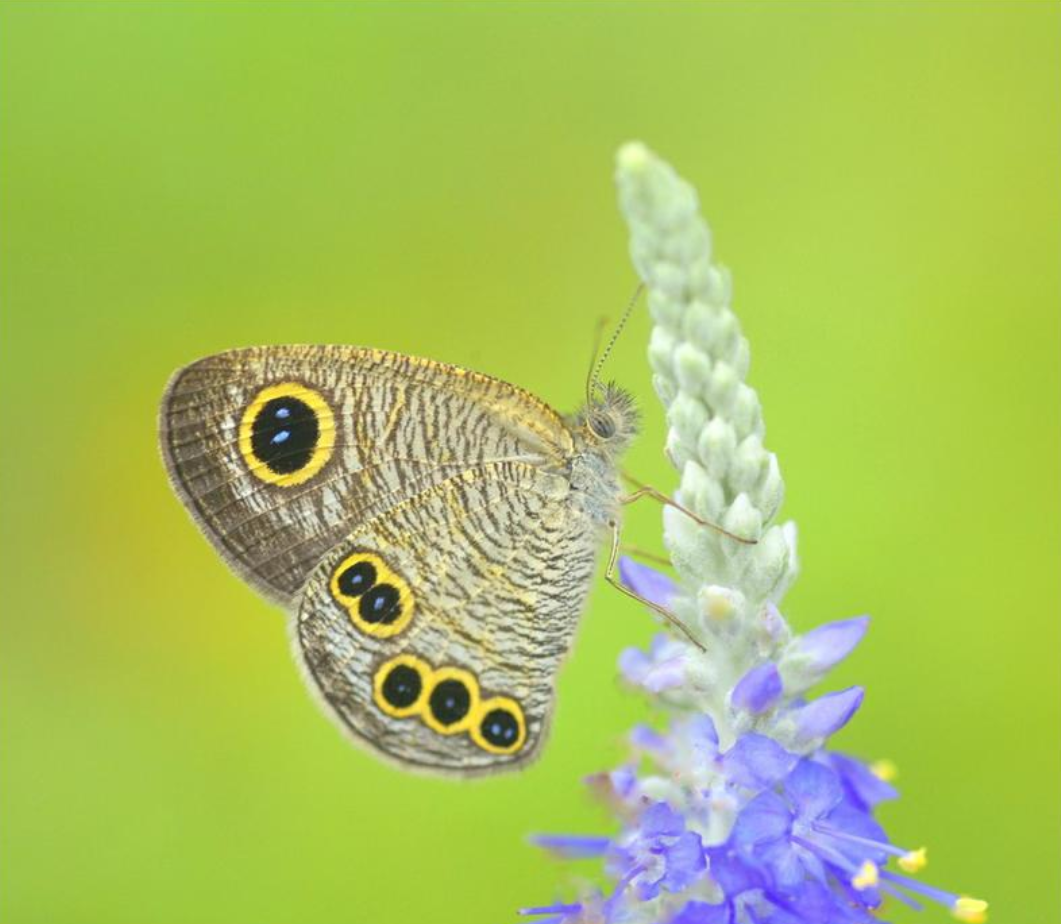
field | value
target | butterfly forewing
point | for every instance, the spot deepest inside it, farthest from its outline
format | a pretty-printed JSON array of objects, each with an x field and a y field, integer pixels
[{"x": 280, "y": 452}]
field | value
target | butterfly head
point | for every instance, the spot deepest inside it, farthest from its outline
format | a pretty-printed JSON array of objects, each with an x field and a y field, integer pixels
[{"x": 610, "y": 420}]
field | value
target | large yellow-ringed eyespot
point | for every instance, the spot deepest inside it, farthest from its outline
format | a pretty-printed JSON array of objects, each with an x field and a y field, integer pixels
[
  {"x": 287, "y": 434},
  {"x": 400, "y": 686},
  {"x": 377, "y": 598},
  {"x": 452, "y": 700},
  {"x": 498, "y": 726}
]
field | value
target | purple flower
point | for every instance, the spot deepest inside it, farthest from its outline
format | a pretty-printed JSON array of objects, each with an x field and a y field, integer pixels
[
  {"x": 660, "y": 853},
  {"x": 863, "y": 788},
  {"x": 754, "y": 762},
  {"x": 646, "y": 582},
  {"x": 825, "y": 647},
  {"x": 661, "y": 668},
  {"x": 811, "y": 903},
  {"x": 559, "y": 913},
  {"x": 697, "y": 912},
  {"x": 828, "y": 714},
  {"x": 572, "y": 846},
  {"x": 791, "y": 835},
  {"x": 810, "y": 833},
  {"x": 781, "y": 838},
  {"x": 758, "y": 690},
  {"x": 593, "y": 909}
]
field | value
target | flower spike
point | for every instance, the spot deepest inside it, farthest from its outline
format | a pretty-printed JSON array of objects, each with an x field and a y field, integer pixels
[{"x": 735, "y": 808}]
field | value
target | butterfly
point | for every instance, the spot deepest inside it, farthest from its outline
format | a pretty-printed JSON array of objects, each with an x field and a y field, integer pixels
[{"x": 434, "y": 530}]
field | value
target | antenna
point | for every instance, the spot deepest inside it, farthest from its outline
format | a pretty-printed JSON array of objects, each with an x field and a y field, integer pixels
[
  {"x": 602, "y": 322},
  {"x": 593, "y": 381}
]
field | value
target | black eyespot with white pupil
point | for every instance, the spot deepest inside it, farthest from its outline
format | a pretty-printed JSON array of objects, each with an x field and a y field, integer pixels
[
  {"x": 450, "y": 702},
  {"x": 500, "y": 727},
  {"x": 380, "y": 604},
  {"x": 357, "y": 579},
  {"x": 402, "y": 686},
  {"x": 284, "y": 434}
]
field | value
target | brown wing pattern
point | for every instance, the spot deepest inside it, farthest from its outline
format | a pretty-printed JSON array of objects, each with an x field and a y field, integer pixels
[
  {"x": 393, "y": 426},
  {"x": 498, "y": 563}
]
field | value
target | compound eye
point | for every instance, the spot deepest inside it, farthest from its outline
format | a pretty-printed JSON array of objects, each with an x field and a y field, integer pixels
[{"x": 603, "y": 426}]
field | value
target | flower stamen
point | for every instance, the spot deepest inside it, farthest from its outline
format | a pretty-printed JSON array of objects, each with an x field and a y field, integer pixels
[
  {"x": 914, "y": 861},
  {"x": 970, "y": 910},
  {"x": 867, "y": 877},
  {"x": 884, "y": 770}
]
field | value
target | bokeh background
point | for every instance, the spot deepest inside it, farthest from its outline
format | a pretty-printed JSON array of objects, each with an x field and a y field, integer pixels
[{"x": 883, "y": 180}]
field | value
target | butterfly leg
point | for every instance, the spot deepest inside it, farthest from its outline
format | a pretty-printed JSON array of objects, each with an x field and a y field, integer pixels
[
  {"x": 646, "y": 555},
  {"x": 644, "y": 490},
  {"x": 611, "y": 577}
]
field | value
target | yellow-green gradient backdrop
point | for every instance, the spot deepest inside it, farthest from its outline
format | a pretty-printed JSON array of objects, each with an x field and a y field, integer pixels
[{"x": 884, "y": 182}]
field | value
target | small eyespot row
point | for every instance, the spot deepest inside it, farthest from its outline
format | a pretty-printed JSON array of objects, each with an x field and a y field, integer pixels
[
  {"x": 286, "y": 434},
  {"x": 377, "y": 599},
  {"x": 447, "y": 700}
]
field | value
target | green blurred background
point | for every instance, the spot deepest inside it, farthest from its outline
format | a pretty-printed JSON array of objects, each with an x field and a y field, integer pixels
[{"x": 884, "y": 182}]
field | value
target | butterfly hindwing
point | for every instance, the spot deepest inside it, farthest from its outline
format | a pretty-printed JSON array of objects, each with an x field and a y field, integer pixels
[
  {"x": 280, "y": 452},
  {"x": 435, "y": 629}
]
